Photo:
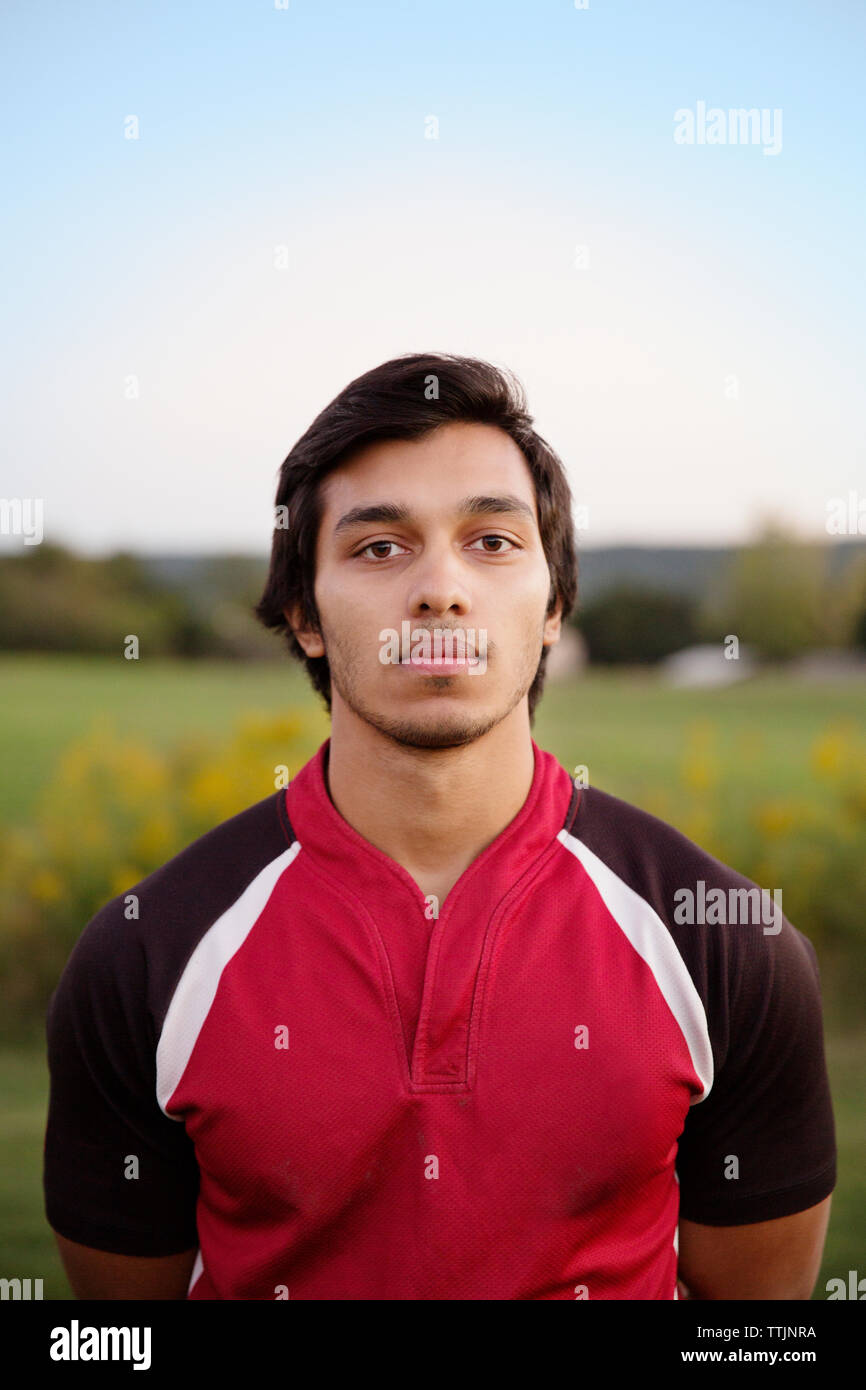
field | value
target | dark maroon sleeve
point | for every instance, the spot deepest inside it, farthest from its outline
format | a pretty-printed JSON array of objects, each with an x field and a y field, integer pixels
[
  {"x": 103, "y": 1025},
  {"x": 118, "y": 1175},
  {"x": 768, "y": 1118},
  {"x": 770, "y": 1107}
]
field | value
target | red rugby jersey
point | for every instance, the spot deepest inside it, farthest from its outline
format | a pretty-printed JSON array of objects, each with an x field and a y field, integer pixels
[{"x": 334, "y": 1095}]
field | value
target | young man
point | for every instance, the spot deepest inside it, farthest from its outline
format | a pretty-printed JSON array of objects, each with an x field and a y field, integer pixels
[{"x": 428, "y": 1024}]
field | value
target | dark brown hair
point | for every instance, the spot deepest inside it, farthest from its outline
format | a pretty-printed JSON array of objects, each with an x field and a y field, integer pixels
[{"x": 403, "y": 399}]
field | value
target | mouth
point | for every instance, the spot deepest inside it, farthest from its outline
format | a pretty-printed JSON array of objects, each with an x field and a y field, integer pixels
[
  {"x": 448, "y": 652},
  {"x": 441, "y": 666}
]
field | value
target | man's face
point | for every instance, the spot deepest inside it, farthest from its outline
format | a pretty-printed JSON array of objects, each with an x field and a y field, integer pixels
[{"x": 482, "y": 576}]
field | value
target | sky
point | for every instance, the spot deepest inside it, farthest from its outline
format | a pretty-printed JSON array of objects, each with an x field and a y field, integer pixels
[{"x": 687, "y": 318}]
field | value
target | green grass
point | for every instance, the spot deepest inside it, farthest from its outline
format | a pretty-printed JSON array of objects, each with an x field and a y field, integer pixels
[
  {"x": 630, "y": 730},
  {"x": 51, "y": 700},
  {"x": 633, "y": 731},
  {"x": 27, "y": 1248}
]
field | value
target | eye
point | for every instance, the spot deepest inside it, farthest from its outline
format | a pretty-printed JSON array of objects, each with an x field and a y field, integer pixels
[
  {"x": 370, "y": 547},
  {"x": 496, "y": 538}
]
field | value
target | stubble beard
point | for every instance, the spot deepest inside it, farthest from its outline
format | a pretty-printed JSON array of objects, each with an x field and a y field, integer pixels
[{"x": 451, "y": 728}]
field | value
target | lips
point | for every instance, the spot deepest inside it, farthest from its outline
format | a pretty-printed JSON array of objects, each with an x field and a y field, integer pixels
[
  {"x": 432, "y": 650},
  {"x": 464, "y": 652},
  {"x": 444, "y": 668},
  {"x": 469, "y": 658}
]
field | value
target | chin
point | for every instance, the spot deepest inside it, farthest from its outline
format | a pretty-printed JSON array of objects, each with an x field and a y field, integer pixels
[{"x": 438, "y": 730}]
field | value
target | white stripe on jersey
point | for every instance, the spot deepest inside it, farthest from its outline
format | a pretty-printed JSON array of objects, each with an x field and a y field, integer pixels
[
  {"x": 197, "y": 986},
  {"x": 653, "y": 942},
  {"x": 197, "y": 1271}
]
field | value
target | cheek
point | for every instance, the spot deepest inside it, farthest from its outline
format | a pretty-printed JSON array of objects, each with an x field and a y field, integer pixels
[
  {"x": 351, "y": 627},
  {"x": 526, "y": 606}
]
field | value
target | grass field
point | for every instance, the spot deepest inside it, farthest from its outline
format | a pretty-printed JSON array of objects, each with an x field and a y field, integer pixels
[{"x": 631, "y": 732}]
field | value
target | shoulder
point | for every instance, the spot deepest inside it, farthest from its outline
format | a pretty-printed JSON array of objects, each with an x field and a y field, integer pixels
[
  {"x": 680, "y": 881},
  {"x": 133, "y": 950},
  {"x": 210, "y": 873},
  {"x": 732, "y": 935},
  {"x": 651, "y": 856}
]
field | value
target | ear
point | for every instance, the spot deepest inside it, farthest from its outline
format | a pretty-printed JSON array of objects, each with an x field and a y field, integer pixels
[
  {"x": 309, "y": 638},
  {"x": 553, "y": 625}
]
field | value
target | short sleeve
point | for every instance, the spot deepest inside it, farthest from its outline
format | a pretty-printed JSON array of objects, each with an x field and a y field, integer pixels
[
  {"x": 119, "y": 1175},
  {"x": 762, "y": 1145}
]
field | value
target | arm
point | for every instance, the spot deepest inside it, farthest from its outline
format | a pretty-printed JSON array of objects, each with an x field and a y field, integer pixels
[
  {"x": 764, "y": 1260},
  {"x": 100, "y": 1274},
  {"x": 757, "y": 1157},
  {"x": 120, "y": 1177}
]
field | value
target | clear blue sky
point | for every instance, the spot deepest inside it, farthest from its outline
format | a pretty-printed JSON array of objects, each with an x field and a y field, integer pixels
[{"x": 304, "y": 128}]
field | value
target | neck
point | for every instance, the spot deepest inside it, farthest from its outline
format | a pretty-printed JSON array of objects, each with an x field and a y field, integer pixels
[{"x": 431, "y": 810}]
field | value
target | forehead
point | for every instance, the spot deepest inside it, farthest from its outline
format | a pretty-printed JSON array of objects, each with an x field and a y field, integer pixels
[{"x": 430, "y": 474}]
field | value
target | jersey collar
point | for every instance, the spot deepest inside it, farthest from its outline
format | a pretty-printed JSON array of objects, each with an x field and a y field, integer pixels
[{"x": 343, "y": 853}]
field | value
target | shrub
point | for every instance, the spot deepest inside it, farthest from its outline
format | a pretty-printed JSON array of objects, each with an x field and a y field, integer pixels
[
  {"x": 629, "y": 625},
  {"x": 113, "y": 812}
]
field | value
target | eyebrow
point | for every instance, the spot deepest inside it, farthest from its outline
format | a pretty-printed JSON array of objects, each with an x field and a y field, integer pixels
[{"x": 469, "y": 506}]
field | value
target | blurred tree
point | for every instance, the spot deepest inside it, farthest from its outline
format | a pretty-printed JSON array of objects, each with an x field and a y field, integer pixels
[
  {"x": 850, "y": 603},
  {"x": 632, "y": 625},
  {"x": 775, "y": 595},
  {"x": 54, "y": 600}
]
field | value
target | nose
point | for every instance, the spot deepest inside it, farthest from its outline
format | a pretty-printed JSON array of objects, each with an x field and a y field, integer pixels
[{"x": 437, "y": 584}]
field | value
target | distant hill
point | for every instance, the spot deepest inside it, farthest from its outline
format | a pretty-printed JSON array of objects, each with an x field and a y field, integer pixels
[
  {"x": 670, "y": 569},
  {"x": 207, "y": 578}
]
